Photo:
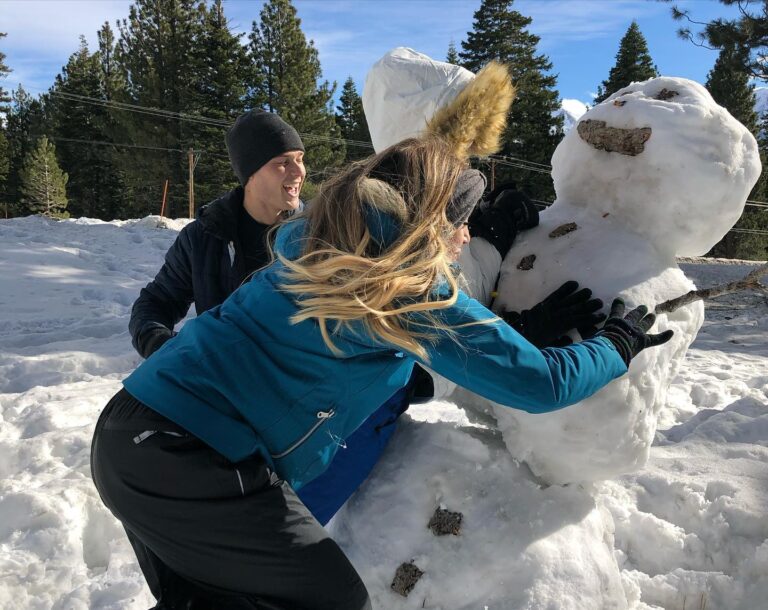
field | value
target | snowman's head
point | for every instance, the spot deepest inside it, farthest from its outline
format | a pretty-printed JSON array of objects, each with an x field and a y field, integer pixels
[{"x": 663, "y": 158}]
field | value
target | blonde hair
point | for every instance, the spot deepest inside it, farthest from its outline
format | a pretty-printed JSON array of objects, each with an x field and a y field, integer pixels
[{"x": 346, "y": 274}]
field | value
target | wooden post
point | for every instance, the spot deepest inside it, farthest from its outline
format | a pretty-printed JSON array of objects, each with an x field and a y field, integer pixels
[
  {"x": 165, "y": 194},
  {"x": 191, "y": 158}
]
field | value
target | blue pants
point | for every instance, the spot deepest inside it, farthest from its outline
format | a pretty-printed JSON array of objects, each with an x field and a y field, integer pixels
[{"x": 326, "y": 494}]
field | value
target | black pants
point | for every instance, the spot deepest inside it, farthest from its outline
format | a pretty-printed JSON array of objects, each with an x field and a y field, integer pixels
[{"x": 209, "y": 533}]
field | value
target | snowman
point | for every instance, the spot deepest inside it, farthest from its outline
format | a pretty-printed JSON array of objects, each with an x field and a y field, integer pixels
[{"x": 656, "y": 171}]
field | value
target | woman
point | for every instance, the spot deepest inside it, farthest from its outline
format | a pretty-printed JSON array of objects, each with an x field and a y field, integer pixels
[{"x": 203, "y": 469}]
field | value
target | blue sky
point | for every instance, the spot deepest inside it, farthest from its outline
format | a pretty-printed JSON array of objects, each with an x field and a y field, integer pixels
[{"x": 580, "y": 37}]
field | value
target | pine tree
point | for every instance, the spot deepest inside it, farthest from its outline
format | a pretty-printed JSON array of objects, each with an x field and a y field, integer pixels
[
  {"x": 351, "y": 120},
  {"x": 453, "y": 56},
  {"x": 111, "y": 76},
  {"x": 5, "y": 153},
  {"x": 5, "y": 163},
  {"x": 43, "y": 185},
  {"x": 286, "y": 82},
  {"x": 728, "y": 82},
  {"x": 533, "y": 130},
  {"x": 24, "y": 122},
  {"x": 4, "y": 71},
  {"x": 748, "y": 31},
  {"x": 155, "y": 54},
  {"x": 222, "y": 73},
  {"x": 95, "y": 187},
  {"x": 633, "y": 64}
]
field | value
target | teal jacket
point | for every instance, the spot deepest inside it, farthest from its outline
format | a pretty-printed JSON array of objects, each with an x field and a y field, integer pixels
[{"x": 247, "y": 381}]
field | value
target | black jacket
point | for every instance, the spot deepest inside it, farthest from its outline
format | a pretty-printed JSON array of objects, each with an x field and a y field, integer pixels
[{"x": 200, "y": 267}]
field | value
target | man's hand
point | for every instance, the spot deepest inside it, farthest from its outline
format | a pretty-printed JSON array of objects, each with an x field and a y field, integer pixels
[
  {"x": 546, "y": 324},
  {"x": 499, "y": 221},
  {"x": 153, "y": 338}
]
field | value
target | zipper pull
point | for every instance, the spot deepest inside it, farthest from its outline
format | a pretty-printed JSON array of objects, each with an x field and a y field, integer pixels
[
  {"x": 326, "y": 414},
  {"x": 231, "y": 249},
  {"x": 139, "y": 438}
]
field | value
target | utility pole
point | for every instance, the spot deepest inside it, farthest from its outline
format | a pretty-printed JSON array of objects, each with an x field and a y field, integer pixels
[
  {"x": 193, "y": 159},
  {"x": 165, "y": 194}
]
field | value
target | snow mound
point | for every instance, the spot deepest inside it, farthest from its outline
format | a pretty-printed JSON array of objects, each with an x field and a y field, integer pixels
[{"x": 520, "y": 545}]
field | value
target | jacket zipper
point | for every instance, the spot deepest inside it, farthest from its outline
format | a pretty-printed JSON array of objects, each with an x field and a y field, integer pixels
[{"x": 322, "y": 417}]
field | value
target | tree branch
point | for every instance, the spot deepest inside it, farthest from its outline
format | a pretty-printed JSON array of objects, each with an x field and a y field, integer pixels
[
  {"x": 749, "y": 281},
  {"x": 679, "y": 15}
]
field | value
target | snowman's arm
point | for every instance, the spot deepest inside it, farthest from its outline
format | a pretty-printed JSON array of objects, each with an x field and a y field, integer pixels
[
  {"x": 495, "y": 361},
  {"x": 480, "y": 264}
]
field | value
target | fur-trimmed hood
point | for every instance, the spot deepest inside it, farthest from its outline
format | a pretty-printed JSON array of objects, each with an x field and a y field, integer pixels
[{"x": 408, "y": 94}]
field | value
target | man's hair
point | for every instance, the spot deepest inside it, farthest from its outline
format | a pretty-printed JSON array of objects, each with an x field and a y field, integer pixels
[{"x": 349, "y": 274}]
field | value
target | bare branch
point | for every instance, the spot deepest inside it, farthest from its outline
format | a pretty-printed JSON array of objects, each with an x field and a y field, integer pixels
[
  {"x": 749, "y": 281},
  {"x": 743, "y": 8},
  {"x": 679, "y": 15}
]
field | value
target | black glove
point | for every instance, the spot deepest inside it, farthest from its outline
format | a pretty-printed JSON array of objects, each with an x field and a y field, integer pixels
[
  {"x": 503, "y": 217},
  {"x": 153, "y": 338},
  {"x": 630, "y": 333},
  {"x": 566, "y": 308}
]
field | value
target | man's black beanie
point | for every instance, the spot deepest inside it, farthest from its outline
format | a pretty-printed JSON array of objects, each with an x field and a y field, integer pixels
[{"x": 255, "y": 138}]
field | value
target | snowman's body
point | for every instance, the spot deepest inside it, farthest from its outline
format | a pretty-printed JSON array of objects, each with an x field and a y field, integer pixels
[
  {"x": 610, "y": 432},
  {"x": 675, "y": 189}
]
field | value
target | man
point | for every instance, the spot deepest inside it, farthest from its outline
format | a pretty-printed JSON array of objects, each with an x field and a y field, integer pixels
[{"x": 214, "y": 254}]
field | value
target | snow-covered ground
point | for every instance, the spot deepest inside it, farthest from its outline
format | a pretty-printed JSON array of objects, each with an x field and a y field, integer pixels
[{"x": 689, "y": 531}]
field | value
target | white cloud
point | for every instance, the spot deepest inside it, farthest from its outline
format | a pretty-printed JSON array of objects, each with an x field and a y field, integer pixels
[
  {"x": 50, "y": 28},
  {"x": 567, "y": 21},
  {"x": 42, "y": 34}
]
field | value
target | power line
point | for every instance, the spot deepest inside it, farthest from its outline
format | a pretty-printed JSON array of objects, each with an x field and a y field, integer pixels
[
  {"x": 754, "y": 231},
  {"x": 504, "y": 160},
  {"x": 149, "y": 110},
  {"x": 518, "y": 160},
  {"x": 181, "y": 116},
  {"x": 119, "y": 144},
  {"x": 522, "y": 166}
]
